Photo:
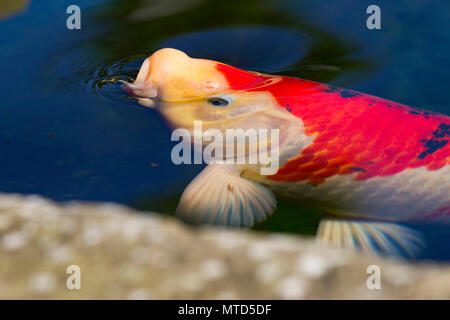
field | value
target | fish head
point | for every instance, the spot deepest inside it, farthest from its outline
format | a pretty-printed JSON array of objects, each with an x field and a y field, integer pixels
[{"x": 184, "y": 90}]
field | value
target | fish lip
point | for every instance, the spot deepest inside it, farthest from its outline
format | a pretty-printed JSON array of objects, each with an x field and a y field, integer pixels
[
  {"x": 142, "y": 87},
  {"x": 125, "y": 86},
  {"x": 146, "y": 96},
  {"x": 139, "y": 90}
]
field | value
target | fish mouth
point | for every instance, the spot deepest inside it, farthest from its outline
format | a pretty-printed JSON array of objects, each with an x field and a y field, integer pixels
[
  {"x": 139, "y": 90},
  {"x": 148, "y": 95},
  {"x": 145, "y": 94},
  {"x": 142, "y": 88}
]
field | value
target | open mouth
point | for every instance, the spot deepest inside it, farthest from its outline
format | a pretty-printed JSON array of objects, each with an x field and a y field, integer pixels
[
  {"x": 145, "y": 94},
  {"x": 142, "y": 88}
]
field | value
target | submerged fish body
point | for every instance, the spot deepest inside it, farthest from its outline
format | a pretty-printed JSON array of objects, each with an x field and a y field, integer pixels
[{"x": 349, "y": 154}]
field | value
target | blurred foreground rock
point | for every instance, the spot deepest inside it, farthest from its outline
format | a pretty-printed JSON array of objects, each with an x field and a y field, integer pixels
[{"x": 125, "y": 254}]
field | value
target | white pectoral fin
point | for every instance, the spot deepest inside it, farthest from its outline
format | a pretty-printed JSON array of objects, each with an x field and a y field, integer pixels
[
  {"x": 218, "y": 195},
  {"x": 383, "y": 238}
]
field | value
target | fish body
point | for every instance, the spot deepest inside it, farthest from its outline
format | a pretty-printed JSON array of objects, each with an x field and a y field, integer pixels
[
  {"x": 370, "y": 157},
  {"x": 346, "y": 153}
]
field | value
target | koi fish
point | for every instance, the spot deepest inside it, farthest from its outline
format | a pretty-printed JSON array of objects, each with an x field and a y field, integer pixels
[{"x": 365, "y": 162}]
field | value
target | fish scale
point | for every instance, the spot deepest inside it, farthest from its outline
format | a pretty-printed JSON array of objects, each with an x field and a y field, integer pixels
[
  {"x": 360, "y": 137},
  {"x": 377, "y": 137}
]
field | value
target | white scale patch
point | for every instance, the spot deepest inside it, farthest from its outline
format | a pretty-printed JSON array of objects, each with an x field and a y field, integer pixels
[{"x": 399, "y": 197}]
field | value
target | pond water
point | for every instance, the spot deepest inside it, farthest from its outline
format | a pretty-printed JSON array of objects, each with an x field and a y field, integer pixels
[{"x": 68, "y": 132}]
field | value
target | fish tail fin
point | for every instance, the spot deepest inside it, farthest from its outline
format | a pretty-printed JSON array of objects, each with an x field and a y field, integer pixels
[{"x": 377, "y": 238}]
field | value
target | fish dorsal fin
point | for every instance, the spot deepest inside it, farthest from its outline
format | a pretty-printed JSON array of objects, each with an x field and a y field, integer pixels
[
  {"x": 378, "y": 238},
  {"x": 220, "y": 196}
]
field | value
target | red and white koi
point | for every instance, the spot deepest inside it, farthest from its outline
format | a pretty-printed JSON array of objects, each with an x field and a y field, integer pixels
[{"x": 349, "y": 154}]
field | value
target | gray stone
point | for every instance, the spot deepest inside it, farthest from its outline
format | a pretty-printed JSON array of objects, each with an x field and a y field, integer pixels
[{"x": 126, "y": 254}]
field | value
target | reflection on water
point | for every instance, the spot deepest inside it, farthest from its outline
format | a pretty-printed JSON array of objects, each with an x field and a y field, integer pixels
[
  {"x": 11, "y": 7},
  {"x": 68, "y": 132}
]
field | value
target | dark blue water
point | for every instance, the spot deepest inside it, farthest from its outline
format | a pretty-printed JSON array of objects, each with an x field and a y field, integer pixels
[{"x": 67, "y": 131}]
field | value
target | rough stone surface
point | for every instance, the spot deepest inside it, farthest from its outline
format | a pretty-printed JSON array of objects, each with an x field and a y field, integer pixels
[{"x": 125, "y": 254}]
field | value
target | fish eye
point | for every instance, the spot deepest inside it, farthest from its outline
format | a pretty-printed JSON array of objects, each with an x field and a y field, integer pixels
[{"x": 220, "y": 102}]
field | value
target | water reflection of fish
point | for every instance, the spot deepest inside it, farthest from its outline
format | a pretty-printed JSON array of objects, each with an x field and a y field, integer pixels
[{"x": 364, "y": 161}]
